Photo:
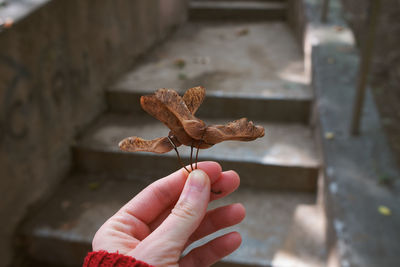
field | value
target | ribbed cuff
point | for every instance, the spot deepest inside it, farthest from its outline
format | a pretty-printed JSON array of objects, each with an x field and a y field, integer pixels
[{"x": 105, "y": 259}]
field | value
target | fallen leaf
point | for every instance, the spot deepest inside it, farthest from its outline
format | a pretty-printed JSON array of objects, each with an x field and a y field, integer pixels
[
  {"x": 329, "y": 135},
  {"x": 182, "y": 76},
  {"x": 339, "y": 28},
  {"x": 384, "y": 210},
  {"x": 330, "y": 60},
  {"x": 180, "y": 63},
  {"x": 94, "y": 186},
  {"x": 243, "y": 31},
  {"x": 385, "y": 179}
]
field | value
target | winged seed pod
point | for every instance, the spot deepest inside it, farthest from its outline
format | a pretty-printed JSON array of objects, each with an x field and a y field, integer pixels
[{"x": 178, "y": 114}]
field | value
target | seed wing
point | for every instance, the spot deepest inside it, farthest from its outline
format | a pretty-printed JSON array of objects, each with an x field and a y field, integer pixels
[
  {"x": 240, "y": 130},
  {"x": 172, "y": 101},
  {"x": 193, "y": 98},
  {"x": 152, "y": 105},
  {"x": 158, "y": 145}
]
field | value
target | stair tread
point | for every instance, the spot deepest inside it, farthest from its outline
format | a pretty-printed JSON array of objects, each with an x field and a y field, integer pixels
[
  {"x": 283, "y": 144},
  {"x": 278, "y": 226},
  {"x": 241, "y": 59},
  {"x": 237, "y": 4}
]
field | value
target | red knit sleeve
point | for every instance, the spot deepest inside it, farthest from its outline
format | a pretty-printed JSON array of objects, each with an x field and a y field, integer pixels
[{"x": 105, "y": 259}]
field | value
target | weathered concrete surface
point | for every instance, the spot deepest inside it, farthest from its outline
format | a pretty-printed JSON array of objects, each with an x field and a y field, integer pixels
[
  {"x": 63, "y": 229},
  {"x": 17, "y": 10},
  {"x": 304, "y": 18},
  {"x": 355, "y": 166},
  {"x": 242, "y": 61},
  {"x": 54, "y": 65},
  {"x": 228, "y": 105},
  {"x": 276, "y": 1},
  {"x": 232, "y": 61},
  {"x": 222, "y": 57},
  {"x": 359, "y": 235},
  {"x": 237, "y": 10},
  {"x": 280, "y": 229},
  {"x": 284, "y": 159}
]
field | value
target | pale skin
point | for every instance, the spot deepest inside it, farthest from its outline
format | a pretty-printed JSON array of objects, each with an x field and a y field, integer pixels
[{"x": 170, "y": 214}]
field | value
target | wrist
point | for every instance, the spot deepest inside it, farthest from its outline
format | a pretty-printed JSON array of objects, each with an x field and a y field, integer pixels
[{"x": 106, "y": 259}]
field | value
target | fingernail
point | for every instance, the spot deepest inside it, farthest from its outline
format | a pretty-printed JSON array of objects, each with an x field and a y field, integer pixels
[{"x": 197, "y": 180}]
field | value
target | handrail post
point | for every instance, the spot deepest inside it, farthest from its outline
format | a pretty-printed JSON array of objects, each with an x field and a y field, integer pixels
[
  {"x": 325, "y": 11},
  {"x": 366, "y": 56}
]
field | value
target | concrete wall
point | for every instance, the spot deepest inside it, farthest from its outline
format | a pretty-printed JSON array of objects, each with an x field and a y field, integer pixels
[{"x": 54, "y": 66}]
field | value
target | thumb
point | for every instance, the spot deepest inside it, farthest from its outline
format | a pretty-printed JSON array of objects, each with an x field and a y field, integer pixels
[
  {"x": 171, "y": 236},
  {"x": 190, "y": 209}
]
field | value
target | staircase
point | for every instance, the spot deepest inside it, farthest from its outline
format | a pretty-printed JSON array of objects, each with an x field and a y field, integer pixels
[{"x": 251, "y": 68}]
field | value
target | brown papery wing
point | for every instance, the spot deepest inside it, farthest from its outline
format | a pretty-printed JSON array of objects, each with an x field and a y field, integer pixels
[
  {"x": 158, "y": 145},
  {"x": 193, "y": 98},
  {"x": 158, "y": 110},
  {"x": 240, "y": 130},
  {"x": 193, "y": 126}
]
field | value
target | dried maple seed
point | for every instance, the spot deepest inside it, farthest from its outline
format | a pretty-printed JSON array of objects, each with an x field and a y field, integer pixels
[
  {"x": 177, "y": 113},
  {"x": 194, "y": 97}
]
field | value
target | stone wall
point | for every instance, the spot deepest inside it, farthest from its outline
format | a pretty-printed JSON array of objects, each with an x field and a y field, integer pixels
[{"x": 54, "y": 66}]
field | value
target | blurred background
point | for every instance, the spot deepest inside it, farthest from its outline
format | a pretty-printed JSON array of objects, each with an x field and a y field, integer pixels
[{"x": 322, "y": 76}]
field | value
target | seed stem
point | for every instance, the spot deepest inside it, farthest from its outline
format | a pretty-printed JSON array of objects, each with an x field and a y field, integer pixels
[
  {"x": 197, "y": 153},
  {"x": 177, "y": 153},
  {"x": 191, "y": 157}
]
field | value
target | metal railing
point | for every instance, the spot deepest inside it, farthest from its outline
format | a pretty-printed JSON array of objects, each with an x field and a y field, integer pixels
[
  {"x": 366, "y": 57},
  {"x": 324, "y": 11},
  {"x": 365, "y": 61}
]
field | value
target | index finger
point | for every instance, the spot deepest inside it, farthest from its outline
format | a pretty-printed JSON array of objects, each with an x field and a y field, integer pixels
[{"x": 154, "y": 199}]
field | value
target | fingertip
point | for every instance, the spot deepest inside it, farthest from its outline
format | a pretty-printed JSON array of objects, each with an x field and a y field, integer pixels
[
  {"x": 240, "y": 210},
  {"x": 235, "y": 239},
  {"x": 228, "y": 243},
  {"x": 211, "y": 168},
  {"x": 199, "y": 179},
  {"x": 234, "y": 176},
  {"x": 227, "y": 183},
  {"x": 213, "y": 251}
]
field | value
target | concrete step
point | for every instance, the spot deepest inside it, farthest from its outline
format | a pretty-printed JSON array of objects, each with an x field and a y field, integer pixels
[
  {"x": 283, "y": 106},
  {"x": 237, "y": 10},
  {"x": 281, "y": 1},
  {"x": 252, "y": 68},
  {"x": 284, "y": 159},
  {"x": 280, "y": 229}
]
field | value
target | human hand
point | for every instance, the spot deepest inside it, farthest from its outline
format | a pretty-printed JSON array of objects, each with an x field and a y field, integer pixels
[{"x": 170, "y": 214}]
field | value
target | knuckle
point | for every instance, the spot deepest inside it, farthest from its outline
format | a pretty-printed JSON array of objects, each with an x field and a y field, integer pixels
[{"x": 184, "y": 210}]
